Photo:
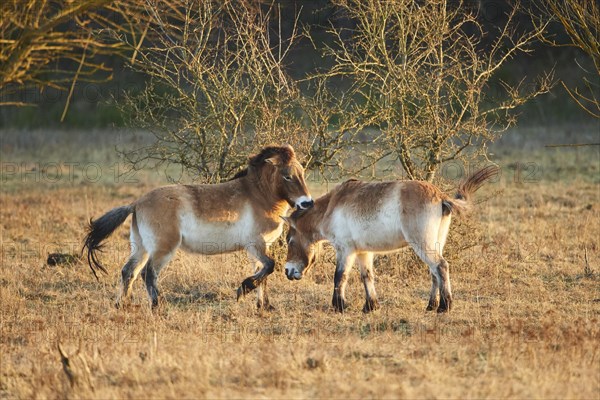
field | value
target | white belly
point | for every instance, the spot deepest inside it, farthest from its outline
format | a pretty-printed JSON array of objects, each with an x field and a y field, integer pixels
[
  {"x": 215, "y": 237},
  {"x": 380, "y": 232}
]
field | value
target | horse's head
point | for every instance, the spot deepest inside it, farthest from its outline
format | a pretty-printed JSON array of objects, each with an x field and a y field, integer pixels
[
  {"x": 283, "y": 174},
  {"x": 301, "y": 245}
]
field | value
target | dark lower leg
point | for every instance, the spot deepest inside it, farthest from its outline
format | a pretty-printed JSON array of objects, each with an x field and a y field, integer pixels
[
  {"x": 149, "y": 276},
  {"x": 339, "y": 291},
  {"x": 371, "y": 303},
  {"x": 338, "y": 301},
  {"x": 445, "y": 291},
  {"x": 127, "y": 278},
  {"x": 340, "y": 279},
  {"x": 252, "y": 282},
  {"x": 433, "y": 295}
]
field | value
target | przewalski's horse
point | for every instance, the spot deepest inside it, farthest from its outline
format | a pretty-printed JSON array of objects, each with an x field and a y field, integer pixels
[
  {"x": 361, "y": 219},
  {"x": 243, "y": 213}
]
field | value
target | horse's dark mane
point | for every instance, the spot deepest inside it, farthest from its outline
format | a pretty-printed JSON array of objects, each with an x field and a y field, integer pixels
[
  {"x": 285, "y": 153},
  {"x": 240, "y": 174}
]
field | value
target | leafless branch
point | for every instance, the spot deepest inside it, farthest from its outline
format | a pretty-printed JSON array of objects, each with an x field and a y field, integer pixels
[{"x": 581, "y": 21}]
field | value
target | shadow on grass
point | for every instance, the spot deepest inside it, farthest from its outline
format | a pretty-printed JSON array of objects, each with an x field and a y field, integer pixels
[{"x": 184, "y": 297}]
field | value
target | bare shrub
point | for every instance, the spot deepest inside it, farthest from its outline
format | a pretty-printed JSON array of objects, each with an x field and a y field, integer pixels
[
  {"x": 422, "y": 71},
  {"x": 39, "y": 39},
  {"x": 419, "y": 76},
  {"x": 217, "y": 88},
  {"x": 581, "y": 21}
]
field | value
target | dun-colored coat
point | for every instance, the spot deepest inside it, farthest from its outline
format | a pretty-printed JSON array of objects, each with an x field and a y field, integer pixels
[
  {"x": 243, "y": 213},
  {"x": 361, "y": 219}
]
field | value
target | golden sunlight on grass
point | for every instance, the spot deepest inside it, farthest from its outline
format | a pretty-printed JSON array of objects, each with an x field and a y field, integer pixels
[{"x": 525, "y": 322}]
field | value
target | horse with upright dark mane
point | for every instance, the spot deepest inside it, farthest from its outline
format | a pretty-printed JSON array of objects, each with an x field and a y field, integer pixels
[
  {"x": 361, "y": 219},
  {"x": 243, "y": 213}
]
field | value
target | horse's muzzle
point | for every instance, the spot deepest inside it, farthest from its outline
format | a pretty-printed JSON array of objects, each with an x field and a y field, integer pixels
[
  {"x": 292, "y": 273},
  {"x": 294, "y": 276},
  {"x": 307, "y": 204},
  {"x": 304, "y": 202}
]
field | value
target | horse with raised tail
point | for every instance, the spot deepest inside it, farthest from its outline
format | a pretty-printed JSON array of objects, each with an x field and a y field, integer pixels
[{"x": 361, "y": 219}]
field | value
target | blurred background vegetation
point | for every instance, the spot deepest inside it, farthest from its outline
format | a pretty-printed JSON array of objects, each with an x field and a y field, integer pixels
[{"x": 87, "y": 64}]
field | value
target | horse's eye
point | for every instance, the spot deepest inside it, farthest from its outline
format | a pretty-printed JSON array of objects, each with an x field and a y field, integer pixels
[{"x": 287, "y": 177}]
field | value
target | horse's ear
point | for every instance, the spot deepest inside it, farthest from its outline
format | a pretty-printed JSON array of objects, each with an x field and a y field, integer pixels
[{"x": 272, "y": 160}]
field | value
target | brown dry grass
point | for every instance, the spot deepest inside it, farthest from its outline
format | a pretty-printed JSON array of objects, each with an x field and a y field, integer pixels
[{"x": 525, "y": 323}]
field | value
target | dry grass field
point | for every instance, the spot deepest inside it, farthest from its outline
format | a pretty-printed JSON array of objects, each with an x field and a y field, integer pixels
[{"x": 525, "y": 323}]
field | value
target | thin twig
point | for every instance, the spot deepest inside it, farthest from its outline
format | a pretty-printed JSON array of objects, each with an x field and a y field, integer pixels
[
  {"x": 587, "y": 270},
  {"x": 572, "y": 145},
  {"x": 81, "y": 63}
]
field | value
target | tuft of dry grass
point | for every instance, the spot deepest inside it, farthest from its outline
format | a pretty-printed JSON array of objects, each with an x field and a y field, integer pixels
[{"x": 525, "y": 322}]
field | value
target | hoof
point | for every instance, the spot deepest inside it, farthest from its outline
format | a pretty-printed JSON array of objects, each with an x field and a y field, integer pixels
[
  {"x": 246, "y": 287},
  {"x": 122, "y": 304},
  {"x": 339, "y": 305},
  {"x": 126, "y": 306},
  {"x": 370, "y": 305},
  {"x": 265, "y": 307},
  {"x": 155, "y": 304},
  {"x": 432, "y": 306},
  {"x": 445, "y": 305}
]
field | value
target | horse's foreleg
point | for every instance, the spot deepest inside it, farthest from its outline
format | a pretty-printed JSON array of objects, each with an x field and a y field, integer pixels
[
  {"x": 258, "y": 252},
  {"x": 343, "y": 265},
  {"x": 262, "y": 297},
  {"x": 252, "y": 282},
  {"x": 365, "y": 261},
  {"x": 262, "y": 301}
]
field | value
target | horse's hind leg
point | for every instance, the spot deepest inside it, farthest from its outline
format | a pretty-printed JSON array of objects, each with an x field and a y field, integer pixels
[
  {"x": 443, "y": 270},
  {"x": 445, "y": 290},
  {"x": 439, "y": 247},
  {"x": 131, "y": 269},
  {"x": 440, "y": 272},
  {"x": 433, "y": 295},
  {"x": 129, "y": 273},
  {"x": 365, "y": 262},
  {"x": 150, "y": 275}
]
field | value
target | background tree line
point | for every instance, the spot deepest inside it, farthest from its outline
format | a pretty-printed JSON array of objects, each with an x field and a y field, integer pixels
[{"x": 348, "y": 83}]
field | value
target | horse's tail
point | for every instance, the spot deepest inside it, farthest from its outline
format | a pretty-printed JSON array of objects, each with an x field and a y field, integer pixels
[
  {"x": 461, "y": 201},
  {"x": 99, "y": 230}
]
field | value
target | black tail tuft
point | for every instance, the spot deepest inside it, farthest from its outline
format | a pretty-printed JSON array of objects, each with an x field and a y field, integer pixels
[{"x": 101, "y": 229}]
